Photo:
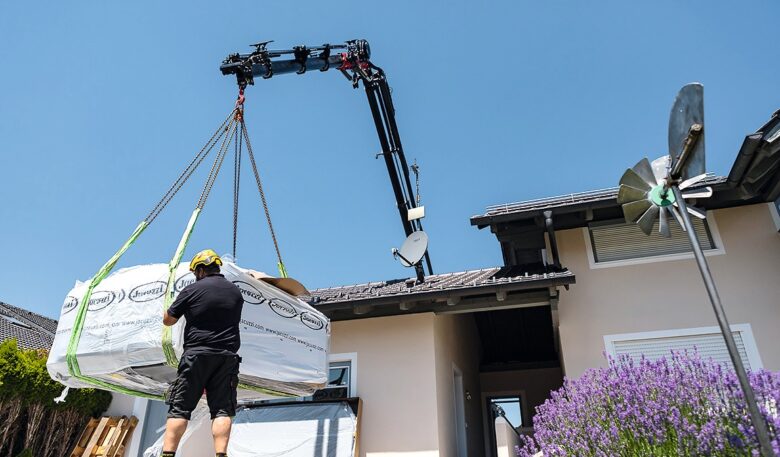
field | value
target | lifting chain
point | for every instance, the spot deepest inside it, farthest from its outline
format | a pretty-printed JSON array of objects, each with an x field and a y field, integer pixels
[
  {"x": 189, "y": 170},
  {"x": 282, "y": 269}
]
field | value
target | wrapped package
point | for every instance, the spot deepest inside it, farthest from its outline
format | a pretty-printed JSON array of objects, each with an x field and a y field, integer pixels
[
  {"x": 291, "y": 430},
  {"x": 284, "y": 341}
]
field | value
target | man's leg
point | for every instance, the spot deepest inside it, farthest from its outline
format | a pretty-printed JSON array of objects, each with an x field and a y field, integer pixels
[
  {"x": 183, "y": 396},
  {"x": 221, "y": 397},
  {"x": 174, "y": 429},
  {"x": 220, "y": 428}
]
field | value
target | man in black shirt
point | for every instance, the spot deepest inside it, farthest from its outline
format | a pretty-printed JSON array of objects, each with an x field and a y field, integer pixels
[{"x": 212, "y": 307}]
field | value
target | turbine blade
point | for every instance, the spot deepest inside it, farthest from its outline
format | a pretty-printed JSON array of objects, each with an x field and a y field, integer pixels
[
  {"x": 663, "y": 223},
  {"x": 660, "y": 168},
  {"x": 647, "y": 220},
  {"x": 645, "y": 171},
  {"x": 691, "y": 181},
  {"x": 704, "y": 192},
  {"x": 676, "y": 213},
  {"x": 698, "y": 212},
  {"x": 634, "y": 210},
  {"x": 630, "y": 178},
  {"x": 628, "y": 194}
]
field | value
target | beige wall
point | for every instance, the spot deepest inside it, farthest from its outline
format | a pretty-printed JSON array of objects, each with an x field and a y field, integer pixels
[
  {"x": 457, "y": 343},
  {"x": 506, "y": 438},
  {"x": 670, "y": 295},
  {"x": 396, "y": 379}
]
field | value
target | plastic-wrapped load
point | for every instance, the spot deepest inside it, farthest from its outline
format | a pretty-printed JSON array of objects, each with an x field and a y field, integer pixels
[
  {"x": 284, "y": 341},
  {"x": 290, "y": 430}
]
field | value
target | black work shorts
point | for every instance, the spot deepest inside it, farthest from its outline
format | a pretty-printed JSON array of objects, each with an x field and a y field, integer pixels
[{"x": 216, "y": 374}]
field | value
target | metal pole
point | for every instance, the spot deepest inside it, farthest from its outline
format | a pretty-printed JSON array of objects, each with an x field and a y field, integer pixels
[{"x": 755, "y": 415}]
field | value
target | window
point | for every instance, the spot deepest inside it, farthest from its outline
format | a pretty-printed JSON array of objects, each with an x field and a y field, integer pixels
[
  {"x": 708, "y": 342},
  {"x": 342, "y": 377},
  {"x": 339, "y": 375},
  {"x": 16, "y": 322},
  {"x": 511, "y": 406},
  {"x": 612, "y": 243}
]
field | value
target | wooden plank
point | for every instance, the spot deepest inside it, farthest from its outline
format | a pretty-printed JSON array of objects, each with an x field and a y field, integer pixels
[
  {"x": 111, "y": 438},
  {"x": 356, "y": 449},
  {"x": 81, "y": 444},
  {"x": 117, "y": 437},
  {"x": 95, "y": 437},
  {"x": 124, "y": 437}
]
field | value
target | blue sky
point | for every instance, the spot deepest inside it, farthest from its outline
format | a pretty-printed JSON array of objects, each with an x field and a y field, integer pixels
[{"x": 102, "y": 104}]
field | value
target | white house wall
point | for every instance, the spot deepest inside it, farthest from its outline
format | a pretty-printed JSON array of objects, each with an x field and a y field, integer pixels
[
  {"x": 670, "y": 294},
  {"x": 457, "y": 343},
  {"x": 396, "y": 378}
]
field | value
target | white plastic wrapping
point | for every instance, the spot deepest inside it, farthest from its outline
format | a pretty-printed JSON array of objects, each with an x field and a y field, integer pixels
[
  {"x": 284, "y": 341},
  {"x": 291, "y": 430},
  {"x": 301, "y": 430}
]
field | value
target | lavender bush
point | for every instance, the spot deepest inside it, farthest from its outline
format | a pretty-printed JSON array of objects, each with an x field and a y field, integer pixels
[{"x": 682, "y": 406}]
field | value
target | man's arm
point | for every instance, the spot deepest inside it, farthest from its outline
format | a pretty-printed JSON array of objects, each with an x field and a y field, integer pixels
[
  {"x": 168, "y": 319},
  {"x": 178, "y": 307}
]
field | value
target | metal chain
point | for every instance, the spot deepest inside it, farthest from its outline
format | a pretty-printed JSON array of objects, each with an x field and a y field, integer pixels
[
  {"x": 212, "y": 177},
  {"x": 188, "y": 171},
  {"x": 236, "y": 186},
  {"x": 260, "y": 188}
]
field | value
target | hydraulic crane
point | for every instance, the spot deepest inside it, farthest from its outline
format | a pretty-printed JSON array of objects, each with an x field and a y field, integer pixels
[{"x": 352, "y": 59}]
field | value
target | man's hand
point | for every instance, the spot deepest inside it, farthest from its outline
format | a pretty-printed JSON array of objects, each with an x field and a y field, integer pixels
[{"x": 168, "y": 319}]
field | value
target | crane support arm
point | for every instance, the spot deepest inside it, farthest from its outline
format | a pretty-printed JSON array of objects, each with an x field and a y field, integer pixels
[{"x": 352, "y": 59}]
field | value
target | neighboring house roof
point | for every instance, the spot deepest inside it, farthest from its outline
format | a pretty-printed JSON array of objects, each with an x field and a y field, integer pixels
[
  {"x": 449, "y": 291},
  {"x": 31, "y": 330}
]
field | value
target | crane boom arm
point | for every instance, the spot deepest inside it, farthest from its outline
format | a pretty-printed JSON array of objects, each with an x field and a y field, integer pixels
[{"x": 352, "y": 59}]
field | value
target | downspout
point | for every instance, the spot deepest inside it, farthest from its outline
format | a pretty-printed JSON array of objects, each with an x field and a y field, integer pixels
[{"x": 548, "y": 222}]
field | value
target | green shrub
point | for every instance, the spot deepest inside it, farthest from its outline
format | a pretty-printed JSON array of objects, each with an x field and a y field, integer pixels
[{"x": 28, "y": 415}]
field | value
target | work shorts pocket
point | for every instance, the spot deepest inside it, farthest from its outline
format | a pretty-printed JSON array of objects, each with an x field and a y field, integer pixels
[{"x": 170, "y": 393}]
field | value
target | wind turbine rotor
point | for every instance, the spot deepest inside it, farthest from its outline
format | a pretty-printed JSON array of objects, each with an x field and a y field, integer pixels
[{"x": 646, "y": 199}]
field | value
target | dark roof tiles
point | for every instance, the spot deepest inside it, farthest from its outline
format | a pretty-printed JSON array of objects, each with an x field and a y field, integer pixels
[
  {"x": 433, "y": 283},
  {"x": 31, "y": 330},
  {"x": 533, "y": 206}
]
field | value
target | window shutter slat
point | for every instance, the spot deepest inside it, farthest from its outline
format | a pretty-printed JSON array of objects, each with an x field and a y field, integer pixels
[
  {"x": 708, "y": 346},
  {"x": 621, "y": 241}
]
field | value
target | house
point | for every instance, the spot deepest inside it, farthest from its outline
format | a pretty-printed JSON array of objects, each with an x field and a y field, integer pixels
[
  {"x": 432, "y": 360},
  {"x": 444, "y": 366},
  {"x": 30, "y": 330}
]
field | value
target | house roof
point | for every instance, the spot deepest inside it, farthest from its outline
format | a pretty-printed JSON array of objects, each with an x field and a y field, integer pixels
[
  {"x": 564, "y": 203},
  {"x": 437, "y": 289},
  {"x": 754, "y": 177},
  {"x": 31, "y": 330}
]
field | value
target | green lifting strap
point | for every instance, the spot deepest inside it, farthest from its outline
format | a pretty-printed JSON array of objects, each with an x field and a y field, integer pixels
[
  {"x": 81, "y": 313},
  {"x": 170, "y": 290}
]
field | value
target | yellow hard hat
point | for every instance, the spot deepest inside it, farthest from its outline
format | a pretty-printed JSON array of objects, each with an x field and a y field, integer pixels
[{"x": 205, "y": 257}]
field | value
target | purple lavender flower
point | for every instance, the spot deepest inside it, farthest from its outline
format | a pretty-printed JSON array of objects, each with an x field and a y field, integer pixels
[{"x": 682, "y": 405}]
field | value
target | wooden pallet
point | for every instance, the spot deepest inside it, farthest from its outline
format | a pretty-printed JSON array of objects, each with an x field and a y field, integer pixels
[{"x": 105, "y": 437}]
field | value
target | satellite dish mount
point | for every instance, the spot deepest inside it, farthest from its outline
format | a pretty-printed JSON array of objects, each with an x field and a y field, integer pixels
[{"x": 412, "y": 253}]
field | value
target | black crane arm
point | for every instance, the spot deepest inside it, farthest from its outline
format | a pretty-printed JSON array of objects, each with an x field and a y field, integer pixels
[{"x": 352, "y": 59}]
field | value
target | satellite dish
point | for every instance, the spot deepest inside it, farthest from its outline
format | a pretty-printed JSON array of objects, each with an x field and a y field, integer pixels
[{"x": 413, "y": 249}]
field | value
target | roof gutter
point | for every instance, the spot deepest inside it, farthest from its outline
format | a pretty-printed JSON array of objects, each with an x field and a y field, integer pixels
[{"x": 502, "y": 288}]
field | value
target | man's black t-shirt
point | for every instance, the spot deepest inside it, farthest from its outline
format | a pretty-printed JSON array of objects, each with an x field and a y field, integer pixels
[{"x": 212, "y": 307}]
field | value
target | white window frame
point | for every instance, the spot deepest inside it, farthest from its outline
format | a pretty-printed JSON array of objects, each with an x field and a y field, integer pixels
[
  {"x": 713, "y": 227},
  {"x": 746, "y": 331},
  {"x": 352, "y": 358}
]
